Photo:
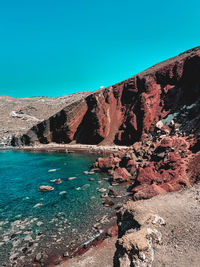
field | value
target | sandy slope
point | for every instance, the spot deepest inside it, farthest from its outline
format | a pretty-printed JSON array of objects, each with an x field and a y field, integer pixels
[{"x": 180, "y": 236}]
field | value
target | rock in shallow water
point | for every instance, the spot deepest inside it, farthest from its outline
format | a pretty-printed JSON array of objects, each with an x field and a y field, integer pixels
[
  {"x": 108, "y": 203},
  {"x": 58, "y": 181},
  {"x": 45, "y": 188},
  {"x": 102, "y": 190}
]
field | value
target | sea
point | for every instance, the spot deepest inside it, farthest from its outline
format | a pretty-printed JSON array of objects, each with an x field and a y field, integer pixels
[{"x": 54, "y": 222}]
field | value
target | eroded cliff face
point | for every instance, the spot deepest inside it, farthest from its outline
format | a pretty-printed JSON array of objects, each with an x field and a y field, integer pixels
[{"x": 125, "y": 112}]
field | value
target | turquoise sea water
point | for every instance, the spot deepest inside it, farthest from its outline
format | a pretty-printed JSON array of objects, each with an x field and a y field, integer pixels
[{"x": 32, "y": 221}]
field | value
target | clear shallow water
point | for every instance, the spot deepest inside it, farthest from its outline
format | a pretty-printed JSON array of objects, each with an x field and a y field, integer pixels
[{"x": 63, "y": 214}]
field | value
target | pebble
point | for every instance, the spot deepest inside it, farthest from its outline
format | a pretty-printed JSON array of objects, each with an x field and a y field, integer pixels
[
  {"x": 102, "y": 190},
  {"x": 37, "y": 205},
  {"x": 108, "y": 203},
  {"x": 39, "y": 223},
  {"x": 58, "y": 181},
  {"x": 78, "y": 188},
  {"x": 62, "y": 192},
  {"x": 52, "y": 170},
  {"x": 46, "y": 188},
  {"x": 72, "y": 178},
  {"x": 38, "y": 257},
  {"x": 13, "y": 256},
  {"x": 66, "y": 254},
  {"x": 104, "y": 195},
  {"x": 28, "y": 238}
]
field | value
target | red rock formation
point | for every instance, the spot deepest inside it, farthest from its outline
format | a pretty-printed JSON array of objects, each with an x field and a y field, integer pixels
[{"x": 125, "y": 112}]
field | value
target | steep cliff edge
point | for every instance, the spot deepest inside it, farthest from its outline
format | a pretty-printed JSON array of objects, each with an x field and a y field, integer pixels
[{"x": 125, "y": 112}]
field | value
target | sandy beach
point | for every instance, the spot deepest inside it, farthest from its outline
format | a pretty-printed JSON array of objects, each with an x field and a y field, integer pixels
[{"x": 68, "y": 148}]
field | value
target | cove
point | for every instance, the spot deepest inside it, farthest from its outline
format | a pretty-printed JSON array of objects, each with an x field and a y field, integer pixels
[{"x": 52, "y": 222}]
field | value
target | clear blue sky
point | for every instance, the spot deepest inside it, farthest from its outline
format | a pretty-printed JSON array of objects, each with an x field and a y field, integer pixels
[{"x": 59, "y": 47}]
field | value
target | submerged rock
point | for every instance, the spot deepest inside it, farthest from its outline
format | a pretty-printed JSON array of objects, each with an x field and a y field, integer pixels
[
  {"x": 37, "y": 205},
  {"x": 45, "y": 188},
  {"x": 102, "y": 190},
  {"x": 58, "y": 181},
  {"x": 113, "y": 193},
  {"x": 104, "y": 195},
  {"x": 108, "y": 203},
  {"x": 52, "y": 170},
  {"x": 62, "y": 192},
  {"x": 72, "y": 178}
]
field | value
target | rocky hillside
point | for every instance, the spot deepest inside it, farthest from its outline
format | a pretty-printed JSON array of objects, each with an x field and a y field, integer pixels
[
  {"x": 125, "y": 112},
  {"x": 18, "y": 115}
]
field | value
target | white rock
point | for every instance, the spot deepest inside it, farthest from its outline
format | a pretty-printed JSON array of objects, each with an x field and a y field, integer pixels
[
  {"x": 159, "y": 124},
  {"x": 52, "y": 170},
  {"x": 102, "y": 190}
]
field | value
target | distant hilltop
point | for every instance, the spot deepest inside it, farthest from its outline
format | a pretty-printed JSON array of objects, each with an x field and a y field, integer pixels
[{"x": 18, "y": 115}]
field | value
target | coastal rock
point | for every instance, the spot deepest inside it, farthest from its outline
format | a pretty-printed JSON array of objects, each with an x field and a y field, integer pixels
[
  {"x": 121, "y": 175},
  {"x": 45, "y": 188}
]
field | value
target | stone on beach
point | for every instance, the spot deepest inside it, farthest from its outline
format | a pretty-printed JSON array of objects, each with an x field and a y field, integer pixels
[{"x": 45, "y": 188}]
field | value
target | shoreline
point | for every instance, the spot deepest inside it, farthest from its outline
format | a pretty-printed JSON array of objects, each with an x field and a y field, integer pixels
[
  {"x": 106, "y": 234},
  {"x": 96, "y": 149}
]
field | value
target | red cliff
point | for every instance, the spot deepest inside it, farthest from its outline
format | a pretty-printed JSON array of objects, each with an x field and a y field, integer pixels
[{"x": 125, "y": 112}]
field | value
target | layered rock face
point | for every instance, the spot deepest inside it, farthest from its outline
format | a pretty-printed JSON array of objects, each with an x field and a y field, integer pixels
[
  {"x": 168, "y": 159},
  {"x": 166, "y": 156},
  {"x": 125, "y": 112}
]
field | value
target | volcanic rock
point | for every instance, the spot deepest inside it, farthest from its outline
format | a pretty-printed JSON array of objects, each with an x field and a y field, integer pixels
[
  {"x": 58, "y": 181},
  {"x": 45, "y": 188}
]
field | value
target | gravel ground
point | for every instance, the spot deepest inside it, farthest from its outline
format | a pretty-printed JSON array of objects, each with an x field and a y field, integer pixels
[{"x": 180, "y": 236}]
